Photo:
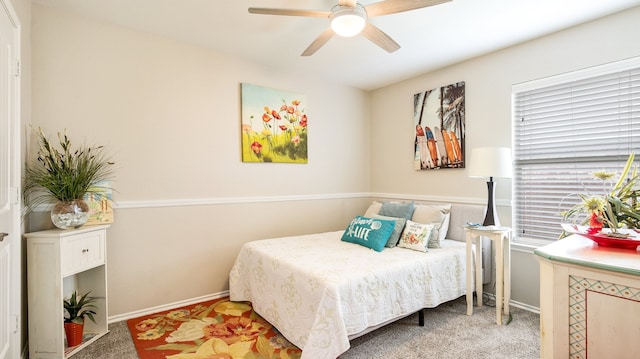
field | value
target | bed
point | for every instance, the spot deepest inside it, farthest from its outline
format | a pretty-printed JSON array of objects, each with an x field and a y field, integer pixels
[{"x": 320, "y": 291}]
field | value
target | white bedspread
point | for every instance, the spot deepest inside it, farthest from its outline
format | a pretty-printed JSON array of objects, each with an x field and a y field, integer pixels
[{"x": 317, "y": 290}]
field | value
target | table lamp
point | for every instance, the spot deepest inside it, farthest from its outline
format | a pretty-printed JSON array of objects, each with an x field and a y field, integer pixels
[{"x": 490, "y": 162}]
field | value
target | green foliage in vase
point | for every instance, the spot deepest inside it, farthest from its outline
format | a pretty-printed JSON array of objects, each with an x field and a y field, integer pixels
[
  {"x": 615, "y": 208},
  {"x": 79, "y": 306},
  {"x": 64, "y": 173}
]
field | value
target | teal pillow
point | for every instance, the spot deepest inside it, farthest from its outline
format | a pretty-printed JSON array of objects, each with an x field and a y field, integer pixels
[
  {"x": 397, "y": 209},
  {"x": 397, "y": 229},
  {"x": 369, "y": 232}
]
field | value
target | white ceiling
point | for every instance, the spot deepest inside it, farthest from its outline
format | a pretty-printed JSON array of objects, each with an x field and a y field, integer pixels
[{"x": 430, "y": 38}]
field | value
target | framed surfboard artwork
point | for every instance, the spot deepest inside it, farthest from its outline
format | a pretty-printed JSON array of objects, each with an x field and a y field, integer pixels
[{"x": 438, "y": 118}]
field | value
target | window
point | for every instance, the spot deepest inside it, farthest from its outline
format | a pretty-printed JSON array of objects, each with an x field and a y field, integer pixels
[{"x": 565, "y": 128}]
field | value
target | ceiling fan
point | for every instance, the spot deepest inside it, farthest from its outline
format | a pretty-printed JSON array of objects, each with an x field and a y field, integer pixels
[{"x": 349, "y": 18}]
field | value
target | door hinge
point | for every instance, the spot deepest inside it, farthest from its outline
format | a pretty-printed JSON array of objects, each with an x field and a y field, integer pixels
[
  {"x": 17, "y": 68},
  {"x": 15, "y": 195},
  {"x": 16, "y": 324}
]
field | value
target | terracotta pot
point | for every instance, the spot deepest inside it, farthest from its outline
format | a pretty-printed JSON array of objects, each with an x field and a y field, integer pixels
[{"x": 73, "y": 331}]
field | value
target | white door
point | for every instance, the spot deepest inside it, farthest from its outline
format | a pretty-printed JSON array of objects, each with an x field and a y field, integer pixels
[{"x": 10, "y": 236}]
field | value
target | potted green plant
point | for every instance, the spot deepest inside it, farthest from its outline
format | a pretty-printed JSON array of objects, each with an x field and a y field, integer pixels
[
  {"x": 77, "y": 307},
  {"x": 618, "y": 207},
  {"x": 62, "y": 175}
]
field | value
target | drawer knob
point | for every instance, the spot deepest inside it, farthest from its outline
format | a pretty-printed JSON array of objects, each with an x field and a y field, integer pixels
[
  {"x": 85, "y": 250},
  {"x": 2, "y": 235}
]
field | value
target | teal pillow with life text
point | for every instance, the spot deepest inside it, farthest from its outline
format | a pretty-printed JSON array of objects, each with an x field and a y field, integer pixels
[{"x": 369, "y": 232}]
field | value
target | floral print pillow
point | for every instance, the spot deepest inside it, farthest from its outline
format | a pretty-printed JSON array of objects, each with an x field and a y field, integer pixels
[{"x": 415, "y": 236}]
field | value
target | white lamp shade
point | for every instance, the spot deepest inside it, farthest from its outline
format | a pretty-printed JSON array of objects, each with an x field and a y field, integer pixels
[
  {"x": 490, "y": 162},
  {"x": 347, "y": 21}
]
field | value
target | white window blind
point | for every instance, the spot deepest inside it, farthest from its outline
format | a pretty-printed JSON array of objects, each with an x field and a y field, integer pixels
[{"x": 565, "y": 128}]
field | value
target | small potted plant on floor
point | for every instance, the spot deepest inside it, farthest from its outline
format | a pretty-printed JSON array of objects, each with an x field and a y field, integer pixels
[{"x": 77, "y": 307}]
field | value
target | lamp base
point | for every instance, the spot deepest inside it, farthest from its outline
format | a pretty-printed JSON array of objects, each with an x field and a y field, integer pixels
[{"x": 491, "y": 216}]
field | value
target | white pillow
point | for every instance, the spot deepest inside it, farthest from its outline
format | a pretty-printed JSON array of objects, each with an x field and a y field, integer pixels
[
  {"x": 438, "y": 216},
  {"x": 445, "y": 227},
  {"x": 415, "y": 236},
  {"x": 374, "y": 208}
]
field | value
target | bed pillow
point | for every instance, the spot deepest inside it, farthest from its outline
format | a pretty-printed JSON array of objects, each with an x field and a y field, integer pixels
[
  {"x": 369, "y": 232},
  {"x": 438, "y": 216},
  {"x": 415, "y": 236},
  {"x": 374, "y": 208},
  {"x": 445, "y": 227},
  {"x": 397, "y": 209},
  {"x": 397, "y": 230}
]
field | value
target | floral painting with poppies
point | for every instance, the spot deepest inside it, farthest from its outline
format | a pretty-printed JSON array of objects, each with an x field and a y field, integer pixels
[{"x": 274, "y": 125}]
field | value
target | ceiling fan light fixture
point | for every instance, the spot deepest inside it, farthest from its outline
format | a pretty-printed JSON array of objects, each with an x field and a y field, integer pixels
[{"x": 348, "y": 21}]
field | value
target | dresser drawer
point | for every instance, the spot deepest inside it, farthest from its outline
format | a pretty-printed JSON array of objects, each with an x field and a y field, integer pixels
[{"x": 82, "y": 251}]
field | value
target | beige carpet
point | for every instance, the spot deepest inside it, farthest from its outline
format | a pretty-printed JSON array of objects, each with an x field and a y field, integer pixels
[{"x": 448, "y": 333}]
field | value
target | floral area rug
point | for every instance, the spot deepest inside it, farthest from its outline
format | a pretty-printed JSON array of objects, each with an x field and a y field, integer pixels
[{"x": 216, "y": 329}]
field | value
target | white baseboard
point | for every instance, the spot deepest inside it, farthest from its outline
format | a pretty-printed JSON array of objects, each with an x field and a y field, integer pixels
[
  {"x": 516, "y": 304},
  {"x": 525, "y": 306},
  {"x": 204, "y": 298},
  {"x": 161, "y": 308}
]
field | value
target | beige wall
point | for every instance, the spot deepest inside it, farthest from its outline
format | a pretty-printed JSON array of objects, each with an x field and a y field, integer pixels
[
  {"x": 171, "y": 113},
  {"x": 488, "y": 81}
]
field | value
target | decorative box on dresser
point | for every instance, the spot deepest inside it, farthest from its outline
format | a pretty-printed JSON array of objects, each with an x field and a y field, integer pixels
[
  {"x": 58, "y": 263},
  {"x": 589, "y": 300}
]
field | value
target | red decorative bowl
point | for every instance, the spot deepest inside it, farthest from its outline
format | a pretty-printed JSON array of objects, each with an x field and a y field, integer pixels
[{"x": 632, "y": 241}]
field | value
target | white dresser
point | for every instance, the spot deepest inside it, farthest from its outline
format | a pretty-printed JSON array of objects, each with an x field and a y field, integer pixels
[
  {"x": 59, "y": 262},
  {"x": 589, "y": 300}
]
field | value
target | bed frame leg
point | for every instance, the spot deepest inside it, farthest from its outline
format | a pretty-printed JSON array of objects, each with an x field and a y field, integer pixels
[{"x": 421, "y": 317}]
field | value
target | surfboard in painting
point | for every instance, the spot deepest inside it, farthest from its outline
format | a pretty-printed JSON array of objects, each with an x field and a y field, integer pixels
[
  {"x": 423, "y": 149},
  {"x": 449, "y": 146},
  {"x": 442, "y": 152},
  {"x": 431, "y": 143},
  {"x": 456, "y": 147}
]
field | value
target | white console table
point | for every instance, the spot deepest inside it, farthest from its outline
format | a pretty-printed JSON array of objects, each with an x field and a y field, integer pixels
[
  {"x": 589, "y": 300},
  {"x": 59, "y": 262},
  {"x": 501, "y": 237}
]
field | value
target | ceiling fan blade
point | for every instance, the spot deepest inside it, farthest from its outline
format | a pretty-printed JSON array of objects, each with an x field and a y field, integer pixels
[
  {"x": 289, "y": 12},
  {"x": 319, "y": 42},
  {"x": 379, "y": 38},
  {"x": 396, "y": 6}
]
